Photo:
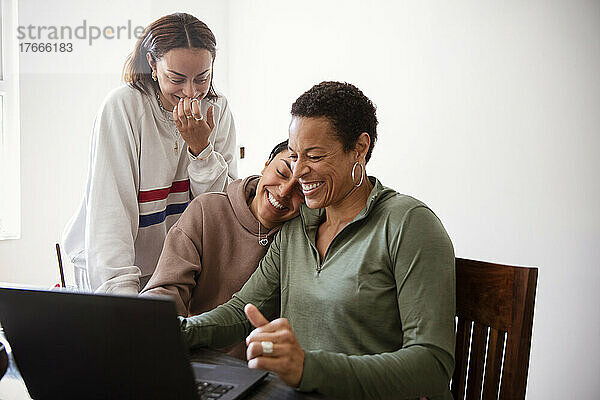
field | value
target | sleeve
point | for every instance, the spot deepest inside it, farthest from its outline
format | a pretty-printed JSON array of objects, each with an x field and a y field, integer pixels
[
  {"x": 227, "y": 324},
  {"x": 113, "y": 215},
  {"x": 216, "y": 165},
  {"x": 179, "y": 265},
  {"x": 423, "y": 261}
]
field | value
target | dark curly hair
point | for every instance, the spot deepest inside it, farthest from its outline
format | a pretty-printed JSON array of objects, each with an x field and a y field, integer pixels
[
  {"x": 278, "y": 149},
  {"x": 345, "y": 106}
]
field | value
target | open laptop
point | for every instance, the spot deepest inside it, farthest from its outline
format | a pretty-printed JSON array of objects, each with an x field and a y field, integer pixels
[{"x": 74, "y": 345}]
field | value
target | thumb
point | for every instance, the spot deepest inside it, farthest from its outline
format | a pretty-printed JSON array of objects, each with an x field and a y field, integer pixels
[
  {"x": 210, "y": 120},
  {"x": 254, "y": 316}
]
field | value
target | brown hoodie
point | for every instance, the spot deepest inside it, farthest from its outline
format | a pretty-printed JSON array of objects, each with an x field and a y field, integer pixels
[{"x": 211, "y": 251}]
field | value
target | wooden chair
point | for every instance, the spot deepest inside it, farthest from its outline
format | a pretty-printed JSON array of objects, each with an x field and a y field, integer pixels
[{"x": 494, "y": 306}]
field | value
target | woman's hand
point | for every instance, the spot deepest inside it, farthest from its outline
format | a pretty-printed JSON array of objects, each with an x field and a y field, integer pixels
[
  {"x": 286, "y": 358},
  {"x": 194, "y": 128}
]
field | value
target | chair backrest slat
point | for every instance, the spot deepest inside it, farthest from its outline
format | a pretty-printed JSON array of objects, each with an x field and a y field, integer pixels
[
  {"x": 476, "y": 363},
  {"x": 493, "y": 364},
  {"x": 463, "y": 338},
  {"x": 494, "y": 307}
]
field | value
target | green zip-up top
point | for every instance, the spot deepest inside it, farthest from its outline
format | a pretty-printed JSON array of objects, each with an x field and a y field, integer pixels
[{"x": 377, "y": 321}]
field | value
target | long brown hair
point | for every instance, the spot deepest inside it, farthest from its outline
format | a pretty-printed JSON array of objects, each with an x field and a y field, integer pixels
[{"x": 170, "y": 32}]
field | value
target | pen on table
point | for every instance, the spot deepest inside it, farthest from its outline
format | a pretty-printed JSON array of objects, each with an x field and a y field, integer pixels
[{"x": 60, "y": 267}]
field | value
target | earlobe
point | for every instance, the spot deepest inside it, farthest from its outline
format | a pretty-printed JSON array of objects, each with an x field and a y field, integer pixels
[
  {"x": 151, "y": 62},
  {"x": 362, "y": 145}
]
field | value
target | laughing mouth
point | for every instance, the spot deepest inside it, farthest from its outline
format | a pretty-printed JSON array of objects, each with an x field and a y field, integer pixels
[
  {"x": 274, "y": 202},
  {"x": 307, "y": 187}
]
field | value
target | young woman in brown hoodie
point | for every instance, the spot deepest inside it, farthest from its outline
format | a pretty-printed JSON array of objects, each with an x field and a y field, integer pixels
[{"x": 220, "y": 238}]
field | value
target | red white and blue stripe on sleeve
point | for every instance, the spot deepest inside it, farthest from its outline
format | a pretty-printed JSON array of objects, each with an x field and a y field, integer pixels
[{"x": 155, "y": 205}]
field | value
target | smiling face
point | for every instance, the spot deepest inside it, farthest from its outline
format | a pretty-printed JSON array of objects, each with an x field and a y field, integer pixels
[
  {"x": 278, "y": 195},
  {"x": 323, "y": 168},
  {"x": 182, "y": 73}
]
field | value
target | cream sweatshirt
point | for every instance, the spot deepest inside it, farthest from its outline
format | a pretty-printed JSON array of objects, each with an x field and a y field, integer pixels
[{"x": 141, "y": 178}]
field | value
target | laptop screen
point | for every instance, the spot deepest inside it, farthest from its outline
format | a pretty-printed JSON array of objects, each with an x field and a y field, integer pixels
[{"x": 96, "y": 346}]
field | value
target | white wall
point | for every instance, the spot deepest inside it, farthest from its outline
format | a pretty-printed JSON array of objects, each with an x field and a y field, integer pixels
[{"x": 487, "y": 110}]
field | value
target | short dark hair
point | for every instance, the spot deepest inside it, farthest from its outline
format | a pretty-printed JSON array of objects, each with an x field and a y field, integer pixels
[
  {"x": 345, "y": 106},
  {"x": 173, "y": 31},
  {"x": 278, "y": 149}
]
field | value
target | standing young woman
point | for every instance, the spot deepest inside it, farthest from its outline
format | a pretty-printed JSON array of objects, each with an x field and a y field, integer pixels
[{"x": 158, "y": 141}]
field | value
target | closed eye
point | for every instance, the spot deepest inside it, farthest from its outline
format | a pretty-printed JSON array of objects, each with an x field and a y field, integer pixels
[{"x": 281, "y": 174}]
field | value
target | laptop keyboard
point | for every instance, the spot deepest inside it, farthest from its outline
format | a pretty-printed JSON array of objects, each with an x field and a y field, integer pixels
[{"x": 211, "y": 390}]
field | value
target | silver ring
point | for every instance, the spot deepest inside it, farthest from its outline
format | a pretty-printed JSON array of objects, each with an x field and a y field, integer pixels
[
  {"x": 188, "y": 116},
  {"x": 199, "y": 119},
  {"x": 267, "y": 347}
]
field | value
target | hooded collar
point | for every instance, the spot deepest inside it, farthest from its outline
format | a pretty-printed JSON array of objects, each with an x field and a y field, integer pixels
[{"x": 240, "y": 193}]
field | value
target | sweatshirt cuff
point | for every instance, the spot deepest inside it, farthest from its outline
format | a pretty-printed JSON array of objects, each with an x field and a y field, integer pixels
[
  {"x": 182, "y": 328},
  {"x": 203, "y": 155},
  {"x": 312, "y": 373},
  {"x": 191, "y": 335},
  {"x": 128, "y": 289}
]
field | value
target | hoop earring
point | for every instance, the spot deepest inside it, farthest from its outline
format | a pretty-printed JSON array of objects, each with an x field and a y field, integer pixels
[
  {"x": 362, "y": 174},
  {"x": 154, "y": 77}
]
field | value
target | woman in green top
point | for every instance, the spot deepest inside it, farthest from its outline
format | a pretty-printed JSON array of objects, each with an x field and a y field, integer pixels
[{"x": 356, "y": 298}]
